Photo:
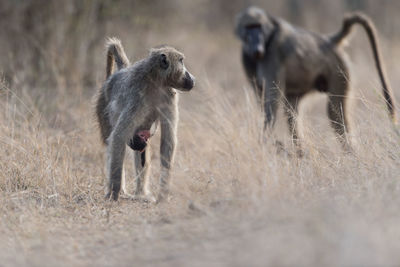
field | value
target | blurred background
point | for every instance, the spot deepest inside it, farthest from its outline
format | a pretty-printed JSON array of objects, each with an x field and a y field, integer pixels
[
  {"x": 55, "y": 46},
  {"x": 60, "y": 44}
]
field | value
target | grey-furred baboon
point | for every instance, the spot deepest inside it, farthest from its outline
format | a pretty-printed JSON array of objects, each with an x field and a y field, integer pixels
[
  {"x": 282, "y": 60},
  {"x": 130, "y": 102}
]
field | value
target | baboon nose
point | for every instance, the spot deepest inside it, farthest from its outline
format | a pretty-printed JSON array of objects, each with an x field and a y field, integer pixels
[
  {"x": 258, "y": 54},
  {"x": 193, "y": 80},
  {"x": 189, "y": 81}
]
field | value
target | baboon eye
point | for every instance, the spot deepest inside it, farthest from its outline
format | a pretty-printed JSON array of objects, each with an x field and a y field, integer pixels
[{"x": 164, "y": 62}]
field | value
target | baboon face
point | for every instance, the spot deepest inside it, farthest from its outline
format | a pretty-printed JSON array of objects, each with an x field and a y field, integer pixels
[
  {"x": 173, "y": 70},
  {"x": 252, "y": 27},
  {"x": 254, "y": 40}
]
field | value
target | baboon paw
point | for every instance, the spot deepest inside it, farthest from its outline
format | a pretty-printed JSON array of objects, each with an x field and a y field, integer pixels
[
  {"x": 112, "y": 196},
  {"x": 280, "y": 148},
  {"x": 162, "y": 197},
  {"x": 127, "y": 196},
  {"x": 146, "y": 198},
  {"x": 300, "y": 153},
  {"x": 348, "y": 150}
]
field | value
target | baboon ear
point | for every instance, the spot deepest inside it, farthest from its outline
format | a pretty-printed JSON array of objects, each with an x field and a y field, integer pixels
[{"x": 164, "y": 64}]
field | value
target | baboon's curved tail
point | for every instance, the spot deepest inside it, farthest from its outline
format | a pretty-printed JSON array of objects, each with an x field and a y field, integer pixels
[
  {"x": 115, "y": 52},
  {"x": 366, "y": 23}
]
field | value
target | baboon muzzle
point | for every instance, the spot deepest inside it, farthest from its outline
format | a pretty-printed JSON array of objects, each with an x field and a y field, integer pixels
[
  {"x": 188, "y": 81},
  {"x": 259, "y": 52}
]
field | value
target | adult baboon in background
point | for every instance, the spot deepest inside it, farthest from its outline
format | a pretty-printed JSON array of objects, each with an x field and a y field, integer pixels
[
  {"x": 280, "y": 59},
  {"x": 130, "y": 102}
]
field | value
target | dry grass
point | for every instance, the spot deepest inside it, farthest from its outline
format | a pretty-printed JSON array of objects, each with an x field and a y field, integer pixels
[{"x": 236, "y": 201}]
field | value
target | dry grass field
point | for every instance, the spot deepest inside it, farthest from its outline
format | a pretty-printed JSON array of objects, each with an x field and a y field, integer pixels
[{"x": 237, "y": 199}]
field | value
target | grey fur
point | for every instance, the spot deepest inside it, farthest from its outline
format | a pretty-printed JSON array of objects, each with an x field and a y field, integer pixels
[
  {"x": 293, "y": 62},
  {"x": 133, "y": 99},
  {"x": 115, "y": 52}
]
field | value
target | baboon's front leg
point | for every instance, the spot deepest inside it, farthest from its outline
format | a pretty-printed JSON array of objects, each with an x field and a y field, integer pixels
[
  {"x": 115, "y": 159},
  {"x": 271, "y": 99},
  {"x": 169, "y": 123},
  {"x": 116, "y": 152},
  {"x": 271, "y": 78}
]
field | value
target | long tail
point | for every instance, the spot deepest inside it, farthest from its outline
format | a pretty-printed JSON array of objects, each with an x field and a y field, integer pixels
[
  {"x": 366, "y": 23},
  {"x": 115, "y": 52}
]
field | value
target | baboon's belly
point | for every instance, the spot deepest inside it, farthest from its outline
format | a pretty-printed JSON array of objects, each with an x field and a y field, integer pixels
[
  {"x": 298, "y": 82},
  {"x": 149, "y": 123},
  {"x": 301, "y": 75}
]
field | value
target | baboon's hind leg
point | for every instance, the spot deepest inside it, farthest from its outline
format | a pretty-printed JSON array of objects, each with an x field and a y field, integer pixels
[
  {"x": 337, "y": 111},
  {"x": 102, "y": 117},
  {"x": 291, "y": 111}
]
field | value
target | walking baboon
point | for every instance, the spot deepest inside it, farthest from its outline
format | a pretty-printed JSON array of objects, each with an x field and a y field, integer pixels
[
  {"x": 130, "y": 102},
  {"x": 281, "y": 59}
]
